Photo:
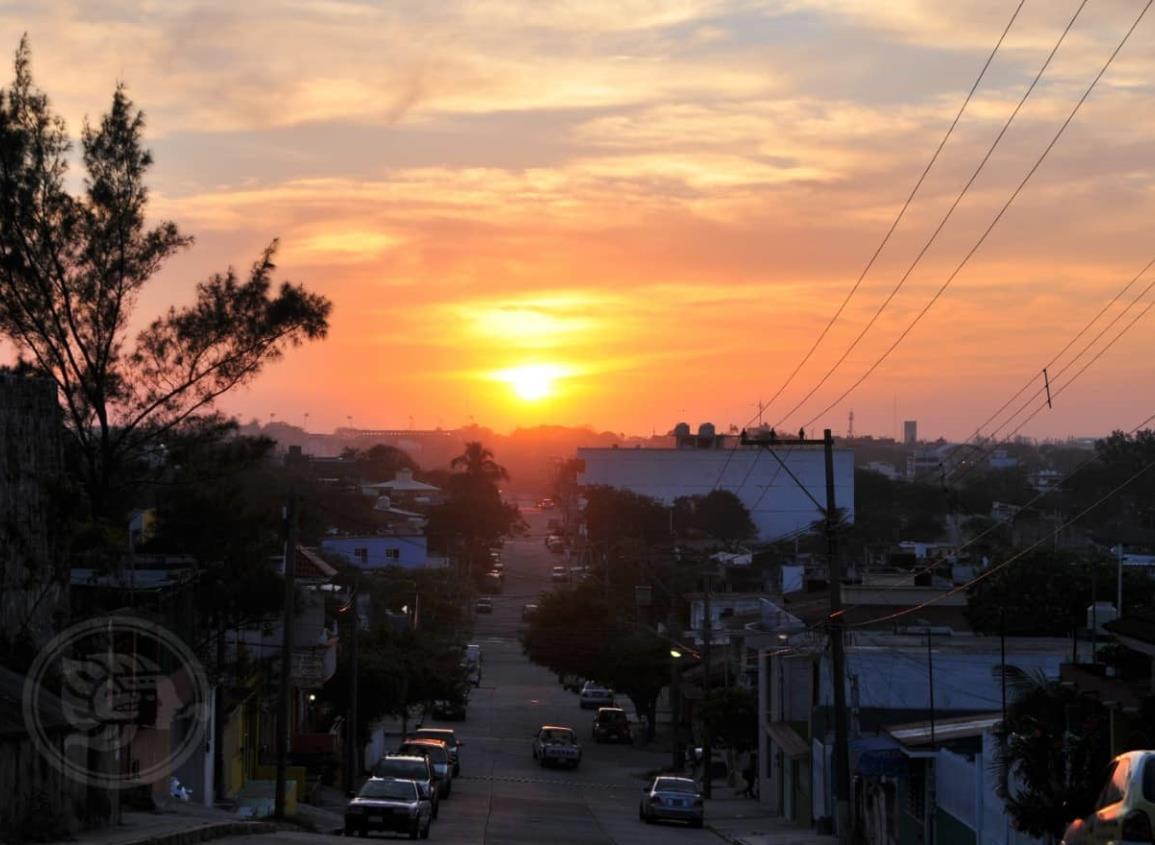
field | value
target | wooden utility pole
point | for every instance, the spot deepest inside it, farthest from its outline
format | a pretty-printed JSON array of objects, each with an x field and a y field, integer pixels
[
  {"x": 834, "y": 620},
  {"x": 707, "y": 739},
  {"x": 283, "y": 708},
  {"x": 837, "y": 655}
]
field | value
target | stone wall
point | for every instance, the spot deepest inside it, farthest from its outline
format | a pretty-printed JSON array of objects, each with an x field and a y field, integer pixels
[{"x": 33, "y": 577}]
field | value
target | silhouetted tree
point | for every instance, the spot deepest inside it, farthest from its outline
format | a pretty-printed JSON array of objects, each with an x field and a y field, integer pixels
[
  {"x": 477, "y": 462},
  {"x": 72, "y": 267}
]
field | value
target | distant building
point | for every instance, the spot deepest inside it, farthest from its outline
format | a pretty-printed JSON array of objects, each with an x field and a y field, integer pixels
[
  {"x": 700, "y": 463},
  {"x": 910, "y": 432},
  {"x": 999, "y": 459},
  {"x": 405, "y": 491}
]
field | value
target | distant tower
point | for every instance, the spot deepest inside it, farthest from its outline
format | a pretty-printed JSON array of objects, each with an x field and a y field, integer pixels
[
  {"x": 910, "y": 432},
  {"x": 850, "y": 426}
]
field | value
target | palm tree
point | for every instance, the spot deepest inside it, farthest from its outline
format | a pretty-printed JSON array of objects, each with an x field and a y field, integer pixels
[{"x": 477, "y": 461}]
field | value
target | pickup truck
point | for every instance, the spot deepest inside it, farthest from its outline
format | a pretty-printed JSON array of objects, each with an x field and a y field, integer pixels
[{"x": 557, "y": 746}]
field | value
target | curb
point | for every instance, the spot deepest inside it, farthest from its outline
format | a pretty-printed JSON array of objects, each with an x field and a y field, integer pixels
[
  {"x": 725, "y": 837},
  {"x": 216, "y": 830}
]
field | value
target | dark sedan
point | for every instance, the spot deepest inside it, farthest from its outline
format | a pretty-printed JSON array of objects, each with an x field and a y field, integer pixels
[
  {"x": 612, "y": 725},
  {"x": 389, "y": 804}
]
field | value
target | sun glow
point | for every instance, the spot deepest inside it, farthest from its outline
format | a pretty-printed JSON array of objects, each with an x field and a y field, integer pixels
[{"x": 532, "y": 382}]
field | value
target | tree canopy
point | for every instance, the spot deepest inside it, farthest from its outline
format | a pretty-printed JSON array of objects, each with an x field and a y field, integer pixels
[{"x": 72, "y": 268}]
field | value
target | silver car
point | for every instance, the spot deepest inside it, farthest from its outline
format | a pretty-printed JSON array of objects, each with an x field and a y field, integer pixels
[
  {"x": 389, "y": 804},
  {"x": 674, "y": 799}
]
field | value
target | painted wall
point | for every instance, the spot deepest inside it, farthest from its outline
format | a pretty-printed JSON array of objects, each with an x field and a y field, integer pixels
[
  {"x": 776, "y": 503},
  {"x": 378, "y": 552}
]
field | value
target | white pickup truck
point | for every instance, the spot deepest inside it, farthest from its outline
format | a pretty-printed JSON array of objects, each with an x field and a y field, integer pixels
[{"x": 557, "y": 746}]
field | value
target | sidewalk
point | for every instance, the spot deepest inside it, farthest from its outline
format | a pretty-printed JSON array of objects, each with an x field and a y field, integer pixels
[
  {"x": 743, "y": 822},
  {"x": 176, "y": 823}
]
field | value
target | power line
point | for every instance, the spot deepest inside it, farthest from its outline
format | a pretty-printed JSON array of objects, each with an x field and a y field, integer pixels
[
  {"x": 966, "y": 259},
  {"x": 946, "y": 217},
  {"x": 902, "y": 211},
  {"x": 989, "y": 572}
]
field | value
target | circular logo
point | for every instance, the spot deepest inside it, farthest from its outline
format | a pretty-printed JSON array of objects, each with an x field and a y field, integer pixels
[{"x": 133, "y": 706}]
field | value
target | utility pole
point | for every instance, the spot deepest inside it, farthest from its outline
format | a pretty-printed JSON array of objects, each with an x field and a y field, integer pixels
[
  {"x": 283, "y": 709},
  {"x": 707, "y": 739},
  {"x": 837, "y": 656},
  {"x": 834, "y": 620},
  {"x": 352, "y": 752},
  {"x": 674, "y": 631}
]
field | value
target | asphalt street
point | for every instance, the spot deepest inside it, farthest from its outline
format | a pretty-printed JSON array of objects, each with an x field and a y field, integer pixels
[{"x": 502, "y": 795}]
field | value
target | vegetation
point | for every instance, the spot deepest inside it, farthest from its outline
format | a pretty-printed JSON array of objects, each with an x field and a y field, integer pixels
[{"x": 72, "y": 269}]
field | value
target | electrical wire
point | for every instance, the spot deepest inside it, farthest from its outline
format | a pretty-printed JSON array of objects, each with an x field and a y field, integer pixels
[
  {"x": 902, "y": 211},
  {"x": 878, "y": 250},
  {"x": 966, "y": 259},
  {"x": 998, "y": 568},
  {"x": 945, "y": 219}
]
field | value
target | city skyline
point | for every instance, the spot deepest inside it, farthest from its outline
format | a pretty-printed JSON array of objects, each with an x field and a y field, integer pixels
[{"x": 626, "y": 215}]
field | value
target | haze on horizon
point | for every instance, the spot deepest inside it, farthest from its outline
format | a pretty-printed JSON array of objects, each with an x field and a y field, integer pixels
[{"x": 625, "y": 214}]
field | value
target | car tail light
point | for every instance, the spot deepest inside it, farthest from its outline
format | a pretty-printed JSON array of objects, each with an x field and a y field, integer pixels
[{"x": 1136, "y": 827}]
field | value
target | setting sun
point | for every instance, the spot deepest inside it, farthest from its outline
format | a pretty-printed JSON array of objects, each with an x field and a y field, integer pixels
[{"x": 532, "y": 382}]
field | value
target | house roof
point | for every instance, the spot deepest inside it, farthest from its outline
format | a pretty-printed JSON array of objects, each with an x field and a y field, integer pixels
[
  {"x": 308, "y": 564},
  {"x": 1138, "y": 625},
  {"x": 957, "y": 727}
]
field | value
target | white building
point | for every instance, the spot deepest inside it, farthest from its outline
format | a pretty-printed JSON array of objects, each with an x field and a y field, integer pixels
[{"x": 768, "y": 486}]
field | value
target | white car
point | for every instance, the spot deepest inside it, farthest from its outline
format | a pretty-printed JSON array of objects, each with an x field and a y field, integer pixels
[
  {"x": 1125, "y": 808},
  {"x": 595, "y": 695},
  {"x": 555, "y": 745}
]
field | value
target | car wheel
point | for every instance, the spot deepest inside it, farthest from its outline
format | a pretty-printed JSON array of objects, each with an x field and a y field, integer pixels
[
  {"x": 363, "y": 832},
  {"x": 696, "y": 822},
  {"x": 436, "y": 808},
  {"x": 348, "y": 830},
  {"x": 415, "y": 831},
  {"x": 425, "y": 832}
]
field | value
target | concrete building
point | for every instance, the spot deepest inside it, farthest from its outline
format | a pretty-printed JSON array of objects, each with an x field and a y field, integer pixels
[
  {"x": 910, "y": 432},
  {"x": 911, "y": 783},
  {"x": 377, "y": 551},
  {"x": 700, "y": 463}
]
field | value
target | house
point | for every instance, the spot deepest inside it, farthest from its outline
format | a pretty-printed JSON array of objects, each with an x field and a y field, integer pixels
[
  {"x": 697, "y": 464},
  {"x": 888, "y": 690},
  {"x": 405, "y": 491},
  {"x": 407, "y": 549}
]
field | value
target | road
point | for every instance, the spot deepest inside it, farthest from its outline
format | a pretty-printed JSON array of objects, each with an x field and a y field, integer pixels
[{"x": 502, "y": 796}]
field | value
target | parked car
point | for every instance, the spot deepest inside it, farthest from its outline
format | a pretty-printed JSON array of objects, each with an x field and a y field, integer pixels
[
  {"x": 498, "y": 567},
  {"x": 449, "y": 737},
  {"x": 493, "y": 582},
  {"x": 483, "y": 605},
  {"x": 528, "y": 611},
  {"x": 558, "y": 746},
  {"x": 547, "y": 504},
  {"x": 389, "y": 804},
  {"x": 555, "y": 543},
  {"x": 595, "y": 695},
  {"x": 611, "y": 725},
  {"x": 559, "y": 575},
  {"x": 438, "y": 754},
  {"x": 676, "y": 799},
  {"x": 1125, "y": 808},
  {"x": 472, "y": 657},
  {"x": 416, "y": 768}
]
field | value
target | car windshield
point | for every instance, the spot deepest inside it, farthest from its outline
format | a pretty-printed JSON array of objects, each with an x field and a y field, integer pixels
[
  {"x": 557, "y": 735},
  {"x": 675, "y": 785},
  {"x": 410, "y": 769},
  {"x": 399, "y": 790},
  {"x": 595, "y": 690},
  {"x": 436, "y": 753}
]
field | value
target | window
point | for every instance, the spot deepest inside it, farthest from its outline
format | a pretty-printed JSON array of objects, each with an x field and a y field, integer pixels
[
  {"x": 1149, "y": 778},
  {"x": 393, "y": 554},
  {"x": 361, "y": 554},
  {"x": 1116, "y": 786}
]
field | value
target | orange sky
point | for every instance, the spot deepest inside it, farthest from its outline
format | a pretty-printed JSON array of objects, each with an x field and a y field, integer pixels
[{"x": 657, "y": 205}]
